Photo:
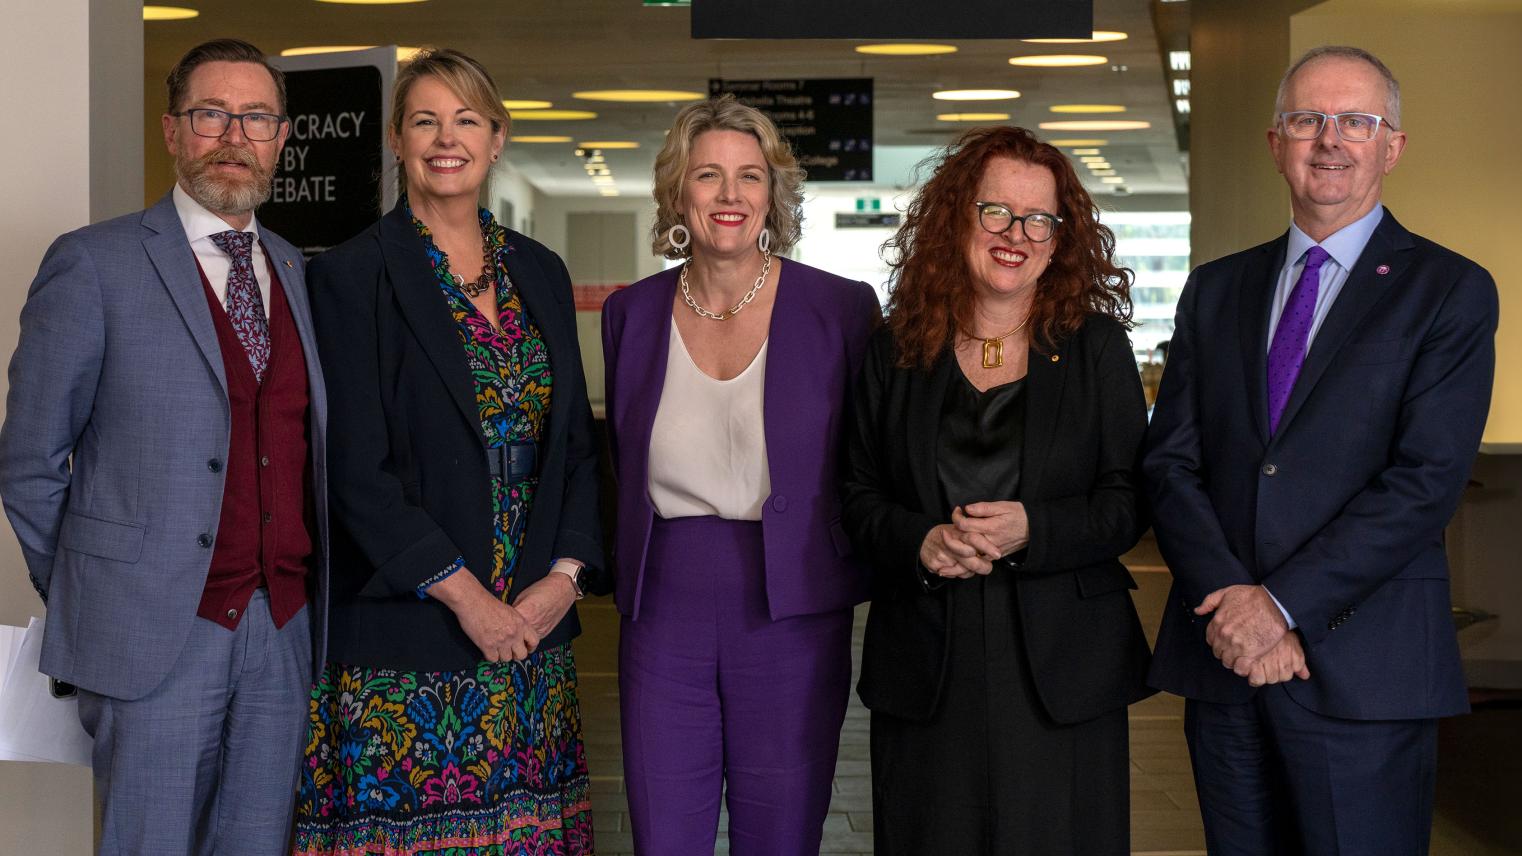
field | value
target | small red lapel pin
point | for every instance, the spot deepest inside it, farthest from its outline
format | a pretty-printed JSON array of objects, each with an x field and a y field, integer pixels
[{"x": 1382, "y": 270}]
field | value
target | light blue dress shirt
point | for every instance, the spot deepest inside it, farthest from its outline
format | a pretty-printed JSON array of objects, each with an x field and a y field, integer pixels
[{"x": 1344, "y": 247}]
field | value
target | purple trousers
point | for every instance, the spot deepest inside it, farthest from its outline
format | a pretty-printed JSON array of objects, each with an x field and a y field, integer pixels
[{"x": 717, "y": 697}]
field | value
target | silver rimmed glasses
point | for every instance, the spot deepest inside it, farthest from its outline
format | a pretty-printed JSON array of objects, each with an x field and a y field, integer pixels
[{"x": 1351, "y": 127}]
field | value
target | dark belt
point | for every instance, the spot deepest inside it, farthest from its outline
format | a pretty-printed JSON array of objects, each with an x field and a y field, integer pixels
[{"x": 513, "y": 462}]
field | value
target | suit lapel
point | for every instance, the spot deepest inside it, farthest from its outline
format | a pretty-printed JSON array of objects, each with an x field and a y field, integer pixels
[
  {"x": 169, "y": 250},
  {"x": 1255, "y": 296},
  {"x": 927, "y": 392},
  {"x": 417, "y": 293},
  {"x": 785, "y": 365},
  {"x": 642, "y": 376},
  {"x": 1364, "y": 288},
  {"x": 1045, "y": 378}
]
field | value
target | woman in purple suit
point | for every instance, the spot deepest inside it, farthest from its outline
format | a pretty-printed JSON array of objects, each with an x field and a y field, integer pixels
[{"x": 726, "y": 388}]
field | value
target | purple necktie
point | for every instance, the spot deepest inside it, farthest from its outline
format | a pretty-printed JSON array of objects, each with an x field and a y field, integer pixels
[
  {"x": 244, "y": 307},
  {"x": 1287, "y": 352}
]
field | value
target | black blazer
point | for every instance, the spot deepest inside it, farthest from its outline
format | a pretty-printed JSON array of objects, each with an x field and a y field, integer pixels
[
  {"x": 407, "y": 461},
  {"x": 1085, "y": 417}
]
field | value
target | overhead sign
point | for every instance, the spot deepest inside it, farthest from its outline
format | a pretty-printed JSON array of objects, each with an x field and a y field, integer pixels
[
  {"x": 328, "y": 184},
  {"x": 876, "y": 19},
  {"x": 828, "y": 121}
]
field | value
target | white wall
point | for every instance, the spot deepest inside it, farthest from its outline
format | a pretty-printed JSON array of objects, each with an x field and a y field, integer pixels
[{"x": 73, "y": 90}]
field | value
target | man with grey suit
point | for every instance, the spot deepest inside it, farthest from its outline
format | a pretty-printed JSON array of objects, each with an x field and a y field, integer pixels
[{"x": 162, "y": 464}]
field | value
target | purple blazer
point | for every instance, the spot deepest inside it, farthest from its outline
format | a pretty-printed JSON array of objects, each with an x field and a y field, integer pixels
[{"x": 819, "y": 331}]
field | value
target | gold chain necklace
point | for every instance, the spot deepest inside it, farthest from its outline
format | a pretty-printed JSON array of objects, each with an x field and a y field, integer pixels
[
  {"x": 766, "y": 266},
  {"x": 993, "y": 347}
]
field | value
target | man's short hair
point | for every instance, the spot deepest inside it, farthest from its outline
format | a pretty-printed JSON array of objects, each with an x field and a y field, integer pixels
[
  {"x": 219, "y": 50},
  {"x": 1392, "y": 86}
]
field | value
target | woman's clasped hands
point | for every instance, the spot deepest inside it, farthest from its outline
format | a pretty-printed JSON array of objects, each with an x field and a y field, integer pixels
[{"x": 979, "y": 534}]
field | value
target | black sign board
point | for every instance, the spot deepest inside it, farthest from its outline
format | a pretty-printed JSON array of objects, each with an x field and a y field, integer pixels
[
  {"x": 892, "y": 19},
  {"x": 866, "y": 220},
  {"x": 327, "y": 186},
  {"x": 828, "y": 122}
]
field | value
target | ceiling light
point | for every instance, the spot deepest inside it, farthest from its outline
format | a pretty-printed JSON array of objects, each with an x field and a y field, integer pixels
[
  {"x": 403, "y": 54},
  {"x": 610, "y": 144},
  {"x": 540, "y": 139},
  {"x": 1098, "y": 167},
  {"x": 1181, "y": 105},
  {"x": 1071, "y": 142},
  {"x": 168, "y": 13},
  {"x": 553, "y": 115},
  {"x": 1057, "y": 60},
  {"x": 1096, "y": 125},
  {"x": 1181, "y": 87},
  {"x": 1088, "y": 108},
  {"x": 607, "y": 191},
  {"x": 921, "y": 49},
  {"x": 972, "y": 117},
  {"x": 369, "y": 2},
  {"x": 602, "y": 179},
  {"x": 1099, "y": 36},
  {"x": 1113, "y": 179},
  {"x": 1092, "y": 158},
  {"x": 975, "y": 94},
  {"x": 526, "y": 104},
  {"x": 1085, "y": 151},
  {"x": 639, "y": 96},
  {"x": 1178, "y": 60},
  {"x": 1101, "y": 172}
]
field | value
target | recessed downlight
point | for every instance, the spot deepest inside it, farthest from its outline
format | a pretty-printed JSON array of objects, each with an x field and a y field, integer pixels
[
  {"x": 906, "y": 49},
  {"x": 526, "y": 104},
  {"x": 608, "y": 144},
  {"x": 168, "y": 13},
  {"x": 1088, "y": 108},
  {"x": 1096, "y": 125},
  {"x": 1099, "y": 36},
  {"x": 972, "y": 117},
  {"x": 553, "y": 115},
  {"x": 1057, "y": 60},
  {"x": 975, "y": 94},
  {"x": 639, "y": 96},
  {"x": 540, "y": 138}
]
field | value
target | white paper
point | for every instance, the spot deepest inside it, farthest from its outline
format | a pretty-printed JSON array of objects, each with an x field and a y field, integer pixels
[{"x": 35, "y": 726}]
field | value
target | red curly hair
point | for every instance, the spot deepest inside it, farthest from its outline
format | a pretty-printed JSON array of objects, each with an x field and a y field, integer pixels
[{"x": 930, "y": 290}]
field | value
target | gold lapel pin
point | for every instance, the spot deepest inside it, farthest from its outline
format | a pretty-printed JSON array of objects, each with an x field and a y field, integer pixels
[
  {"x": 287, "y": 262},
  {"x": 1055, "y": 358}
]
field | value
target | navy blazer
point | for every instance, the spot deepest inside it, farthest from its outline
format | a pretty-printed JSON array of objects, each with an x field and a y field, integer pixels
[
  {"x": 1341, "y": 512},
  {"x": 410, "y": 478},
  {"x": 819, "y": 329}
]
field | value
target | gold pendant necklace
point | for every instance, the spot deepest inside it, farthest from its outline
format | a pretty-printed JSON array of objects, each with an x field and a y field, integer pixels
[
  {"x": 993, "y": 348},
  {"x": 766, "y": 266}
]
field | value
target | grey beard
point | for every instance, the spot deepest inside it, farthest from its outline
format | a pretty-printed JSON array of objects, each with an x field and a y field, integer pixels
[{"x": 221, "y": 196}]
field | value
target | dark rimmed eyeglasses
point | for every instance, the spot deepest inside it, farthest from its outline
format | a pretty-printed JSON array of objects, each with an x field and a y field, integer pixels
[
  {"x": 1351, "y": 127},
  {"x": 996, "y": 218},
  {"x": 257, "y": 127}
]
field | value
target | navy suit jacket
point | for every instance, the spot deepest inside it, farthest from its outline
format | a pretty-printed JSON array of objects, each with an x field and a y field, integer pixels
[
  {"x": 819, "y": 331},
  {"x": 1341, "y": 512},
  {"x": 117, "y": 404}
]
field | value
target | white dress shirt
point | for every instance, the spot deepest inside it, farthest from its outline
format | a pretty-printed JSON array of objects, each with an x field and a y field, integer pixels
[{"x": 200, "y": 224}]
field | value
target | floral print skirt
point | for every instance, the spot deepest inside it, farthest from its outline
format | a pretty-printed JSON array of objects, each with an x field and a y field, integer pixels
[{"x": 480, "y": 762}]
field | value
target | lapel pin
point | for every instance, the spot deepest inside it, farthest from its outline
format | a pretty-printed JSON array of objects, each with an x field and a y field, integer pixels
[
  {"x": 287, "y": 262},
  {"x": 1055, "y": 358},
  {"x": 1382, "y": 270}
]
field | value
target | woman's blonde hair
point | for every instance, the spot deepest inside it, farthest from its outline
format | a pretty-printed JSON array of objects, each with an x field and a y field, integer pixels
[
  {"x": 784, "y": 220},
  {"x": 465, "y": 77}
]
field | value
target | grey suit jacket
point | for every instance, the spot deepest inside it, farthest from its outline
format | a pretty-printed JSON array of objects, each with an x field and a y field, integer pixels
[{"x": 117, "y": 404}]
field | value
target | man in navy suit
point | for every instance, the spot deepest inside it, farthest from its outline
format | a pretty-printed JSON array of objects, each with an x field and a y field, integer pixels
[
  {"x": 1323, "y": 402},
  {"x": 162, "y": 464}
]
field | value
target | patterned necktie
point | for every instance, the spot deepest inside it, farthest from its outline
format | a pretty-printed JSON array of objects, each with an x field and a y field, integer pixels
[
  {"x": 1287, "y": 352},
  {"x": 244, "y": 307}
]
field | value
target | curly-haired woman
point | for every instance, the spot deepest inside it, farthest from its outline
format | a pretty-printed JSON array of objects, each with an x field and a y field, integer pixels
[{"x": 992, "y": 486}]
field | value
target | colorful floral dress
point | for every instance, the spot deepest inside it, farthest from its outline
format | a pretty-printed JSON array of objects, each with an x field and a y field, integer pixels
[{"x": 480, "y": 762}]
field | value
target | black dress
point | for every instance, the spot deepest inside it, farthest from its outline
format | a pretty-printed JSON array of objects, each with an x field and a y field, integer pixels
[{"x": 991, "y": 772}]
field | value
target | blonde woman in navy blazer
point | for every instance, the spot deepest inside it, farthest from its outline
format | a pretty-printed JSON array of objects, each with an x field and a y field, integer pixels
[{"x": 735, "y": 649}]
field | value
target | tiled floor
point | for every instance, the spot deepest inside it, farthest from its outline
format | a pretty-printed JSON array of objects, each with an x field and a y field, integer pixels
[{"x": 1480, "y": 775}]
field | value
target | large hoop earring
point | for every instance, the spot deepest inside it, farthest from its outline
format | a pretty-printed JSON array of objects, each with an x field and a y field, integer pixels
[
  {"x": 671, "y": 237},
  {"x": 764, "y": 241}
]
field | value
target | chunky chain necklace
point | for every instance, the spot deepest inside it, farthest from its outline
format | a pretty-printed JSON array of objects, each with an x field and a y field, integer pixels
[
  {"x": 766, "y": 266},
  {"x": 488, "y": 277}
]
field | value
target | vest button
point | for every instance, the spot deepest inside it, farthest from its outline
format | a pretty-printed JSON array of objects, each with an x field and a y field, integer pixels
[
  {"x": 232, "y": 613},
  {"x": 779, "y": 504},
  {"x": 214, "y": 465},
  {"x": 268, "y": 517},
  {"x": 203, "y": 539},
  {"x": 264, "y": 461},
  {"x": 1269, "y": 469}
]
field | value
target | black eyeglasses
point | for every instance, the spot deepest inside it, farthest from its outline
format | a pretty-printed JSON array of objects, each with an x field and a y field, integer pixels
[
  {"x": 1351, "y": 127},
  {"x": 257, "y": 127},
  {"x": 1037, "y": 228}
]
